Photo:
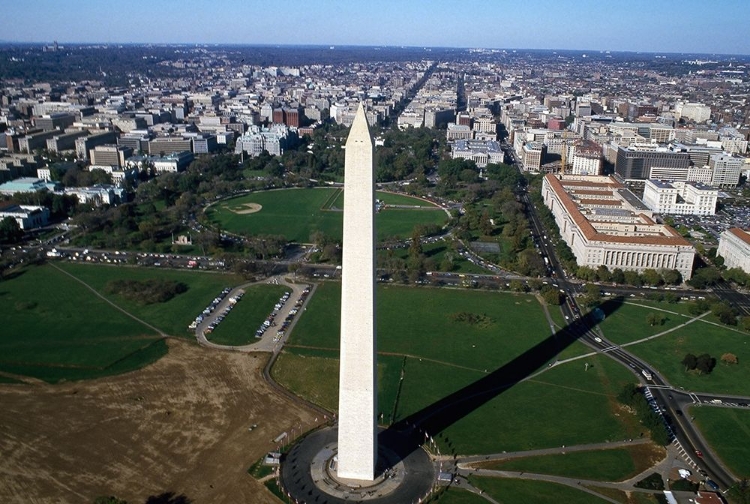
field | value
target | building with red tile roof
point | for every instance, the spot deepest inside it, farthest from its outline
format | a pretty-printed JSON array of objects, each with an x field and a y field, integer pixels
[{"x": 604, "y": 223}]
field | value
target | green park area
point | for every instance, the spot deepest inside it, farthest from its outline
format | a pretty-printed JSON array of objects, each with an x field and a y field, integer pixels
[
  {"x": 666, "y": 352},
  {"x": 456, "y": 495},
  {"x": 475, "y": 354},
  {"x": 616, "y": 464},
  {"x": 728, "y": 432},
  {"x": 297, "y": 213},
  {"x": 54, "y": 328},
  {"x": 507, "y": 491},
  {"x": 67, "y": 322}
]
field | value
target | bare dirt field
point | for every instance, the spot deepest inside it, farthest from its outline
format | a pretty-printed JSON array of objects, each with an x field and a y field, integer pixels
[
  {"x": 180, "y": 425},
  {"x": 249, "y": 208}
]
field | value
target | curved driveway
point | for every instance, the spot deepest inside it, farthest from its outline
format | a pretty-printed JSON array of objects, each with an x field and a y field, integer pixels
[{"x": 266, "y": 343}]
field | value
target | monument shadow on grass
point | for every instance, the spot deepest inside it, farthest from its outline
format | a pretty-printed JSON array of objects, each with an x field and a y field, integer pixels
[{"x": 443, "y": 413}]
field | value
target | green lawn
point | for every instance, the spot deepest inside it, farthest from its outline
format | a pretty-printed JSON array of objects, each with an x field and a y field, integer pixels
[
  {"x": 421, "y": 322},
  {"x": 172, "y": 317},
  {"x": 628, "y": 323},
  {"x": 439, "y": 355},
  {"x": 296, "y": 214},
  {"x": 603, "y": 465},
  {"x": 564, "y": 406},
  {"x": 319, "y": 382},
  {"x": 390, "y": 198},
  {"x": 681, "y": 307},
  {"x": 240, "y": 324},
  {"x": 728, "y": 432},
  {"x": 456, "y": 495},
  {"x": 55, "y": 328},
  {"x": 514, "y": 491},
  {"x": 667, "y": 352}
]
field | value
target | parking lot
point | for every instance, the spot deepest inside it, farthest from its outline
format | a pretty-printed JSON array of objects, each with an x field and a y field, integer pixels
[{"x": 272, "y": 333}]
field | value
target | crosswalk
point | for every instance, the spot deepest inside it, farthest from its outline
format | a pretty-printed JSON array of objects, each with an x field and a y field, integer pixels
[{"x": 684, "y": 454}]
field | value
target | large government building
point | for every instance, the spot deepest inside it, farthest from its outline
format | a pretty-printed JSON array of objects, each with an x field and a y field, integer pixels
[
  {"x": 734, "y": 247},
  {"x": 604, "y": 223}
]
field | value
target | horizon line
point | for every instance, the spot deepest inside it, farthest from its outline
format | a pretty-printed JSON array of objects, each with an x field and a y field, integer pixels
[{"x": 333, "y": 46}]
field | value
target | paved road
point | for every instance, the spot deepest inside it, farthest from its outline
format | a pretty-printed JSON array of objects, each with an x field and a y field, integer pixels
[
  {"x": 266, "y": 343},
  {"x": 587, "y": 331}
]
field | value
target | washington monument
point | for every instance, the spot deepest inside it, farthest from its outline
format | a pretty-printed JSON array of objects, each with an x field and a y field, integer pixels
[{"x": 358, "y": 429}]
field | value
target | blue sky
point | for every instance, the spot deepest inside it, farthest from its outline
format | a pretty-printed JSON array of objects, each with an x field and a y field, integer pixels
[{"x": 702, "y": 26}]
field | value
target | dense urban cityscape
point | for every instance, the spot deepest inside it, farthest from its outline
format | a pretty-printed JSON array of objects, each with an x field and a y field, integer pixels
[{"x": 550, "y": 209}]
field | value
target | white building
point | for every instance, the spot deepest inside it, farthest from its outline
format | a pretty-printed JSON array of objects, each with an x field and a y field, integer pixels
[
  {"x": 255, "y": 141},
  {"x": 118, "y": 174},
  {"x": 704, "y": 174},
  {"x": 587, "y": 158},
  {"x": 532, "y": 155},
  {"x": 175, "y": 162},
  {"x": 604, "y": 223},
  {"x": 97, "y": 195},
  {"x": 27, "y": 217},
  {"x": 458, "y": 132},
  {"x": 726, "y": 170},
  {"x": 734, "y": 247},
  {"x": 481, "y": 152},
  {"x": 697, "y": 112},
  {"x": 682, "y": 198}
]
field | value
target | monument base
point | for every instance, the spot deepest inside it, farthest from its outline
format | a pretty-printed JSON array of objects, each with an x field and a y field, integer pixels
[{"x": 308, "y": 472}]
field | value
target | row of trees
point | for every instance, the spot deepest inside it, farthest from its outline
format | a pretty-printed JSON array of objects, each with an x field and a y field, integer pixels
[
  {"x": 647, "y": 277},
  {"x": 702, "y": 363},
  {"x": 151, "y": 291}
]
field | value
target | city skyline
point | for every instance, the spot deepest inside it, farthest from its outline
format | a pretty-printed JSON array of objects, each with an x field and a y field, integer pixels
[{"x": 690, "y": 26}]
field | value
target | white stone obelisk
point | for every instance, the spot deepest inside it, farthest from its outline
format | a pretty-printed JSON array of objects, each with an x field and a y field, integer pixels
[{"x": 358, "y": 428}]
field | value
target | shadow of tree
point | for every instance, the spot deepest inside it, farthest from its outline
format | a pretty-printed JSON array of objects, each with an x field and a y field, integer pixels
[{"x": 168, "y": 498}]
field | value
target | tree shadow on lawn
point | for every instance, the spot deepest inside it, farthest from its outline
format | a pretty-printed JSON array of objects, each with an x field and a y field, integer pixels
[{"x": 435, "y": 418}]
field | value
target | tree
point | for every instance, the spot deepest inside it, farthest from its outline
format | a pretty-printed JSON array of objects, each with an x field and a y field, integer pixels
[
  {"x": 593, "y": 295},
  {"x": 705, "y": 363},
  {"x": 603, "y": 274},
  {"x": 741, "y": 491},
  {"x": 586, "y": 273},
  {"x": 552, "y": 296},
  {"x": 632, "y": 278},
  {"x": 10, "y": 231},
  {"x": 517, "y": 286},
  {"x": 737, "y": 275},
  {"x": 705, "y": 277},
  {"x": 618, "y": 276},
  {"x": 109, "y": 500},
  {"x": 729, "y": 358},
  {"x": 725, "y": 313},
  {"x": 672, "y": 277},
  {"x": 654, "y": 319},
  {"x": 698, "y": 307},
  {"x": 447, "y": 262},
  {"x": 651, "y": 277},
  {"x": 485, "y": 223},
  {"x": 690, "y": 362}
]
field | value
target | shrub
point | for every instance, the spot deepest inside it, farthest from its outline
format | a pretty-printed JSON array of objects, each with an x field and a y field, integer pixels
[{"x": 146, "y": 291}]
